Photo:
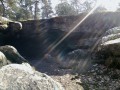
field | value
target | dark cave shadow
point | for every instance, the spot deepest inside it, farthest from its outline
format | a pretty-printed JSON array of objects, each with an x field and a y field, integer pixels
[{"x": 49, "y": 67}]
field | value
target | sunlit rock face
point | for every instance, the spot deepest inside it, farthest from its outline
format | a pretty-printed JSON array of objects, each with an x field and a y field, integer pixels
[
  {"x": 12, "y": 26},
  {"x": 3, "y": 60},
  {"x": 24, "y": 77},
  {"x": 9, "y": 54},
  {"x": 38, "y": 37},
  {"x": 110, "y": 47}
]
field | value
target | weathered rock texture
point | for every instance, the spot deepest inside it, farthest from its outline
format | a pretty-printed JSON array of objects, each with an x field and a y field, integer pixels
[
  {"x": 38, "y": 36},
  {"x": 7, "y": 25},
  {"x": 12, "y": 54},
  {"x": 23, "y": 77},
  {"x": 9, "y": 54},
  {"x": 110, "y": 47}
]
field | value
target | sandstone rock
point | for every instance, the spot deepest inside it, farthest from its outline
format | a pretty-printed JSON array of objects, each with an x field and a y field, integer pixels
[
  {"x": 110, "y": 47},
  {"x": 111, "y": 42},
  {"x": 3, "y": 60},
  {"x": 12, "y": 54},
  {"x": 110, "y": 37},
  {"x": 15, "y": 26},
  {"x": 114, "y": 30},
  {"x": 24, "y": 77}
]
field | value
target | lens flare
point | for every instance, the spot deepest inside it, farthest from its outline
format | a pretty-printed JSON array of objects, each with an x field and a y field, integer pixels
[
  {"x": 74, "y": 28},
  {"x": 55, "y": 44}
]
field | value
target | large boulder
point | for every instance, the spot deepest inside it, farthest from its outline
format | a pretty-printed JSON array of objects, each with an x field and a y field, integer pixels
[
  {"x": 75, "y": 59},
  {"x": 24, "y": 77},
  {"x": 111, "y": 41},
  {"x": 3, "y": 60},
  {"x": 12, "y": 54},
  {"x": 110, "y": 47}
]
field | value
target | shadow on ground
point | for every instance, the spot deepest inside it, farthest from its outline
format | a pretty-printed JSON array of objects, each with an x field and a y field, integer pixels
[{"x": 52, "y": 67}]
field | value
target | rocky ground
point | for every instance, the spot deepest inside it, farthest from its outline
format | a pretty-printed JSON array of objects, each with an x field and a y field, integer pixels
[
  {"x": 63, "y": 76},
  {"x": 99, "y": 77}
]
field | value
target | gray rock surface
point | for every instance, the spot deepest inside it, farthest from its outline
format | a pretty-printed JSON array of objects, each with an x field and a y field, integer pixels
[
  {"x": 114, "y": 30},
  {"x": 111, "y": 36},
  {"x": 110, "y": 47},
  {"x": 12, "y": 54},
  {"x": 3, "y": 60},
  {"x": 24, "y": 77}
]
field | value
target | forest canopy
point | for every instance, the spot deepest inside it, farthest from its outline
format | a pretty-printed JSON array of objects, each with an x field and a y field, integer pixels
[{"x": 43, "y": 9}]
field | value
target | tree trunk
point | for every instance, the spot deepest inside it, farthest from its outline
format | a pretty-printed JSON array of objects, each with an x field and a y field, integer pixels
[
  {"x": 35, "y": 13},
  {"x": 3, "y": 6}
]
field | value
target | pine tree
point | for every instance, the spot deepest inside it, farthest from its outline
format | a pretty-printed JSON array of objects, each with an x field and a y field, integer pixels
[
  {"x": 2, "y": 8},
  {"x": 46, "y": 9},
  {"x": 65, "y": 9}
]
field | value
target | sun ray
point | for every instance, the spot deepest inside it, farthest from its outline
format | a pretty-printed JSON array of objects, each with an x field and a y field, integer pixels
[
  {"x": 53, "y": 46},
  {"x": 74, "y": 28}
]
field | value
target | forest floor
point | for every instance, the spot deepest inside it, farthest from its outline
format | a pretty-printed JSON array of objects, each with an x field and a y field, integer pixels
[
  {"x": 99, "y": 77},
  {"x": 63, "y": 76}
]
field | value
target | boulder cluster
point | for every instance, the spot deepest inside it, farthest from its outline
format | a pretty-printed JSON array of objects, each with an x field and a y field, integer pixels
[
  {"x": 15, "y": 71},
  {"x": 80, "y": 51}
]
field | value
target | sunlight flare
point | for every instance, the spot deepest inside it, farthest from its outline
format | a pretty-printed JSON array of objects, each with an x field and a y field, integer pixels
[
  {"x": 110, "y": 5},
  {"x": 74, "y": 28}
]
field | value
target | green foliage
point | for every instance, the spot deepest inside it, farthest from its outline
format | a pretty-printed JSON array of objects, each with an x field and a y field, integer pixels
[
  {"x": 30, "y": 9},
  {"x": 65, "y": 9},
  {"x": 17, "y": 9},
  {"x": 46, "y": 9},
  {"x": 87, "y": 6}
]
